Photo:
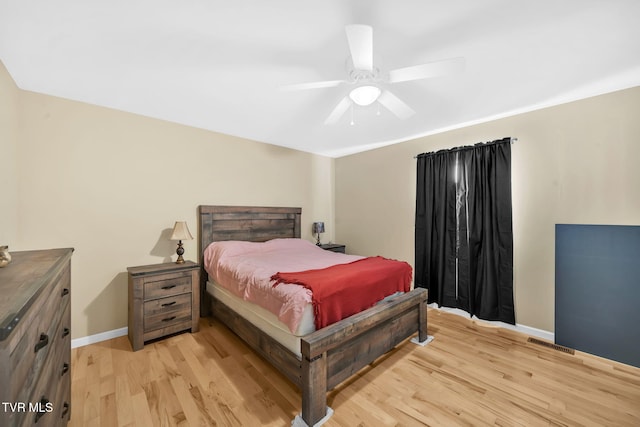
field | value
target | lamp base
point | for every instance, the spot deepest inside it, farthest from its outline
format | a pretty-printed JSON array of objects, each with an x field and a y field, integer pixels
[{"x": 180, "y": 252}]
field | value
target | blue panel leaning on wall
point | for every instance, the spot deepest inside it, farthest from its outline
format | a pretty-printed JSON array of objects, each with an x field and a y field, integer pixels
[{"x": 598, "y": 290}]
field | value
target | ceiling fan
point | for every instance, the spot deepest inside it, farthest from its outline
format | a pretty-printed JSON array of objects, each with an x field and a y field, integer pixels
[{"x": 367, "y": 79}]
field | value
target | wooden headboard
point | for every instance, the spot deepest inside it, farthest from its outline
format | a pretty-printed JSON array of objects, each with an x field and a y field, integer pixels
[{"x": 248, "y": 223}]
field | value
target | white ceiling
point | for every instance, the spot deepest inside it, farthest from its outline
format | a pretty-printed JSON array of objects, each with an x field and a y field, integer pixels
[{"x": 220, "y": 65}]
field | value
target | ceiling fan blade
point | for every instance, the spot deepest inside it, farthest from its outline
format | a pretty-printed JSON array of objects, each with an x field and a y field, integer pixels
[
  {"x": 424, "y": 71},
  {"x": 395, "y": 105},
  {"x": 313, "y": 85},
  {"x": 337, "y": 112},
  {"x": 360, "y": 38}
]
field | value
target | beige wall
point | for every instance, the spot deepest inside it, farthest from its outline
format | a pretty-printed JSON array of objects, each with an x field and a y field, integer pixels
[
  {"x": 111, "y": 184},
  {"x": 8, "y": 147},
  {"x": 574, "y": 163}
]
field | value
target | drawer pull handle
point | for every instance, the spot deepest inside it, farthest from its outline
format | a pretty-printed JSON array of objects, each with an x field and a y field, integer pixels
[
  {"x": 65, "y": 369},
  {"x": 167, "y": 304},
  {"x": 65, "y": 411},
  {"x": 65, "y": 332},
  {"x": 44, "y": 403},
  {"x": 168, "y": 287},
  {"x": 42, "y": 343},
  {"x": 169, "y": 319},
  {"x": 65, "y": 291}
]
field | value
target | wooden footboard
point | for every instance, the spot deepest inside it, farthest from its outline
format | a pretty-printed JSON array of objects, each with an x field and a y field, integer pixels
[{"x": 333, "y": 354}]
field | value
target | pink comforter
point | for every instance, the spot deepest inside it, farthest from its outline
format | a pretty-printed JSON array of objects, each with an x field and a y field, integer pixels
[{"x": 245, "y": 269}]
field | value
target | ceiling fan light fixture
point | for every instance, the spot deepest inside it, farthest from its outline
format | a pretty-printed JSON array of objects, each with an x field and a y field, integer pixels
[{"x": 365, "y": 95}]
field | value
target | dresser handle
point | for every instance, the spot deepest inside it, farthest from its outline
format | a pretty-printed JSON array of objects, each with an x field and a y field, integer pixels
[
  {"x": 65, "y": 369},
  {"x": 65, "y": 411},
  {"x": 44, "y": 340},
  {"x": 65, "y": 291},
  {"x": 43, "y": 403},
  {"x": 168, "y": 319},
  {"x": 167, "y": 304},
  {"x": 65, "y": 332},
  {"x": 168, "y": 287}
]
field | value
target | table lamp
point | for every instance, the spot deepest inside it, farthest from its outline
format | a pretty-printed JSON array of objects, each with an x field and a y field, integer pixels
[
  {"x": 318, "y": 227},
  {"x": 180, "y": 233}
]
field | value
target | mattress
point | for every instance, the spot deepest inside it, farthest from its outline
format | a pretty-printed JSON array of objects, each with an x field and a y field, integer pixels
[{"x": 264, "y": 320}]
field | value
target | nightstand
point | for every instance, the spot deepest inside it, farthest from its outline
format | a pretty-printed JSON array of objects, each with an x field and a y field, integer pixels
[
  {"x": 163, "y": 299},
  {"x": 334, "y": 247}
]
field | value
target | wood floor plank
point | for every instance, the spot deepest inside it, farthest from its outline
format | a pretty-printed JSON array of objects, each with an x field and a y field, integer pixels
[
  {"x": 470, "y": 375},
  {"x": 141, "y": 412},
  {"x": 124, "y": 406}
]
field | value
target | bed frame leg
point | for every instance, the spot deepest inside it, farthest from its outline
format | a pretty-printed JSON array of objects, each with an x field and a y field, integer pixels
[
  {"x": 299, "y": 422},
  {"x": 314, "y": 392},
  {"x": 423, "y": 338}
]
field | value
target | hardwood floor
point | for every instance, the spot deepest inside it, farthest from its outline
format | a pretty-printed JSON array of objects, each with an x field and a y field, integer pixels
[{"x": 469, "y": 375}]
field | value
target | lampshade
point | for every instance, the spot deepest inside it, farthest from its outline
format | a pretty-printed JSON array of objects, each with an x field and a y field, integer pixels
[
  {"x": 364, "y": 95},
  {"x": 318, "y": 227},
  {"x": 181, "y": 231}
]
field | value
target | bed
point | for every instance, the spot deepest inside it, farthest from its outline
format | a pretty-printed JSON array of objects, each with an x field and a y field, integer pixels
[{"x": 327, "y": 356}]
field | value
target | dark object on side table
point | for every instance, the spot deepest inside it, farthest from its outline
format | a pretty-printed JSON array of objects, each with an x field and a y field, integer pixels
[{"x": 334, "y": 247}]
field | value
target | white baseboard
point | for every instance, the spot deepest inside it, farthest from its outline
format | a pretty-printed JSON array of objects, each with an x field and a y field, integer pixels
[
  {"x": 528, "y": 330},
  {"x": 540, "y": 333},
  {"x": 103, "y": 336}
]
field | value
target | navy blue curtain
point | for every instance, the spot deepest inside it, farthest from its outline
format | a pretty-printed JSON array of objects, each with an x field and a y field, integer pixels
[{"x": 464, "y": 233}]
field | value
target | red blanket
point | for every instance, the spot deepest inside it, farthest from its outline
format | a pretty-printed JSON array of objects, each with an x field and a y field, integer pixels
[{"x": 342, "y": 290}]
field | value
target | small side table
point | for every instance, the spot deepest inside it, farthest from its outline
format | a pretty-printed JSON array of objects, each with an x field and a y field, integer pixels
[
  {"x": 163, "y": 299},
  {"x": 334, "y": 247}
]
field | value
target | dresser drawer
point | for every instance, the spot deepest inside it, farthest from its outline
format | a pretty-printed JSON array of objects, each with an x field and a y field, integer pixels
[
  {"x": 56, "y": 406},
  {"x": 44, "y": 396},
  {"x": 49, "y": 392},
  {"x": 62, "y": 406},
  {"x": 35, "y": 346},
  {"x": 167, "y": 285}
]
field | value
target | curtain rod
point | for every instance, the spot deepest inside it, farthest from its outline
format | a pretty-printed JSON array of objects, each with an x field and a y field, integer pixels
[{"x": 513, "y": 140}]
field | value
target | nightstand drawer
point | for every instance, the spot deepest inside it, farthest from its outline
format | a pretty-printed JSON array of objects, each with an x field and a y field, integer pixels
[
  {"x": 168, "y": 304},
  {"x": 177, "y": 284},
  {"x": 167, "y": 319}
]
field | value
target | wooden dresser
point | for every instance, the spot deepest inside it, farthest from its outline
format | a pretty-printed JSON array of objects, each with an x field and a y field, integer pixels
[
  {"x": 163, "y": 299},
  {"x": 35, "y": 339}
]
